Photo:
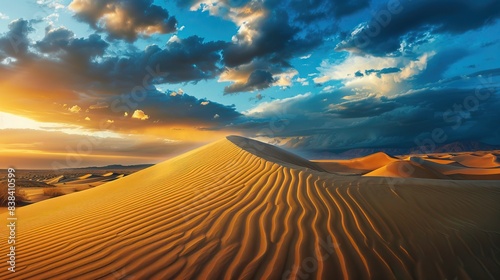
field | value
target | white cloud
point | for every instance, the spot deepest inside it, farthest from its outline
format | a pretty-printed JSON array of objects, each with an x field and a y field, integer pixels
[
  {"x": 389, "y": 83},
  {"x": 174, "y": 39},
  {"x": 343, "y": 70},
  {"x": 87, "y": 118},
  {"x": 216, "y": 116},
  {"x": 139, "y": 114},
  {"x": 278, "y": 105},
  {"x": 3, "y": 16},
  {"x": 303, "y": 81},
  {"x": 75, "y": 109},
  {"x": 415, "y": 67},
  {"x": 285, "y": 79},
  {"x": 305, "y": 56},
  {"x": 178, "y": 92},
  {"x": 328, "y": 89}
]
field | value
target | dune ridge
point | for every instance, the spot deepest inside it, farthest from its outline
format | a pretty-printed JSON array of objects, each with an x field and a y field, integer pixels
[
  {"x": 357, "y": 166},
  {"x": 223, "y": 211}
]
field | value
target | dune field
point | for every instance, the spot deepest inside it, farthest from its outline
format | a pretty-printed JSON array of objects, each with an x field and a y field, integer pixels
[{"x": 241, "y": 209}]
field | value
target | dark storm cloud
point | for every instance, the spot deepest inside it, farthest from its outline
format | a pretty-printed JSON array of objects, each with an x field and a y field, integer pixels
[
  {"x": 409, "y": 19},
  {"x": 402, "y": 121},
  {"x": 287, "y": 29},
  {"x": 368, "y": 107},
  {"x": 15, "y": 42},
  {"x": 310, "y": 11},
  {"x": 276, "y": 41},
  {"x": 259, "y": 79},
  {"x": 71, "y": 49},
  {"x": 174, "y": 108},
  {"x": 124, "y": 19},
  {"x": 186, "y": 60},
  {"x": 439, "y": 63}
]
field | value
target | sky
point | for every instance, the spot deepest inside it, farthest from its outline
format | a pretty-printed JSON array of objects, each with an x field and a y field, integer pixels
[{"x": 96, "y": 82}]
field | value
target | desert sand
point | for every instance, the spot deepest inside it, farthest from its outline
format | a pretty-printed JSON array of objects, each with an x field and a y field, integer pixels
[
  {"x": 240, "y": 209},
  {"x": 464, "y": 166}
]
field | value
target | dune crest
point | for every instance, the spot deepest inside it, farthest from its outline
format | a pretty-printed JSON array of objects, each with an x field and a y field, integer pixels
[
  {"x": 406, "y": 169},
  {"x": 357, "y": 166},
  {"x": 224, "y": 211}
]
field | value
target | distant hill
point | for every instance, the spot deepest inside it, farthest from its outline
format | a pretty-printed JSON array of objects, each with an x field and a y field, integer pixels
[{"x": 112, "y": 167}]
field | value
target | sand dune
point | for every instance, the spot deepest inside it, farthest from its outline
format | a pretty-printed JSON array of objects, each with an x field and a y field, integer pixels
[
  {"x": 485, "y": 161},
  {"x": 406, "y": 169},
  {"x": 232, "y": 210},
  {"x": 87, "y": 176},
  {"x": 357, "y": 166},
  {"x": 55, "y": 180}
]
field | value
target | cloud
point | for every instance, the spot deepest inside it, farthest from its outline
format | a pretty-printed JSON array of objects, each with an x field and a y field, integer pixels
[
  {"x": 369, "y": 74},
  {"x": 106, "y": 85},
  {"x": 302, "y": 81},
  {"x": 258, "y": 79},
  {"x": 139, "y": 114},
  {"x": 380, "y": 72},
  {"x": 15, "y": 42},
  {"x": 269, "y": 35},
  {"x": 367, "y": 107},
  {"x": 413, "y": 21},
  {"x": 204, "y": 103},
  {"x": 74, "y": 51},
  {"x": 3, "y": 16},
  {"x": 404, "y": 120},
  {"x": 310, "y": 11},
  {"x": 272, "y": 38},
  {"x": 75, "y": 109},
  {"x": 187, "y": 60},
  {"x": 123, "y": 19}
]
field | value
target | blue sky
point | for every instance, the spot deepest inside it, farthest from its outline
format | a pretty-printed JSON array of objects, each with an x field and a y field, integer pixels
[{"x": 313, "y": 76}]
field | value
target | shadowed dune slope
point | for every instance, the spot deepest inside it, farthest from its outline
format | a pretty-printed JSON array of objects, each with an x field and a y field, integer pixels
[
  {"x": 272, "y": 153},
  {"x": 225, "y": 211}
]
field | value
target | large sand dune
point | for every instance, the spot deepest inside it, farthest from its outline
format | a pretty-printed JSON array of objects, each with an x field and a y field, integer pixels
[{"x": 238, "y": 209}]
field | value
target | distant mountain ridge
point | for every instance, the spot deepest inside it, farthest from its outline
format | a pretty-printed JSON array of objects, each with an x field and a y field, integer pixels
[{"x": 113, "y": 166}]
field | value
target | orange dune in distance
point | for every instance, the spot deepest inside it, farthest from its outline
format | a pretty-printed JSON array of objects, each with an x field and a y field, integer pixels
[{"x": 241, "y": 209}]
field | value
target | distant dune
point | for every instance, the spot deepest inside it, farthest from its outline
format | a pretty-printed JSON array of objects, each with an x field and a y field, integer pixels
[{"x": 240, "y": 209}]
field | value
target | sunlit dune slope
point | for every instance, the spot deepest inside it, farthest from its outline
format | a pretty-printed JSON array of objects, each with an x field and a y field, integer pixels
[
  {"x": 358, "y": 165},
  {"x": 485, "y": 161},
  {"x": 406, "y": 169},
  {"x": 236, "y": 209}
]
